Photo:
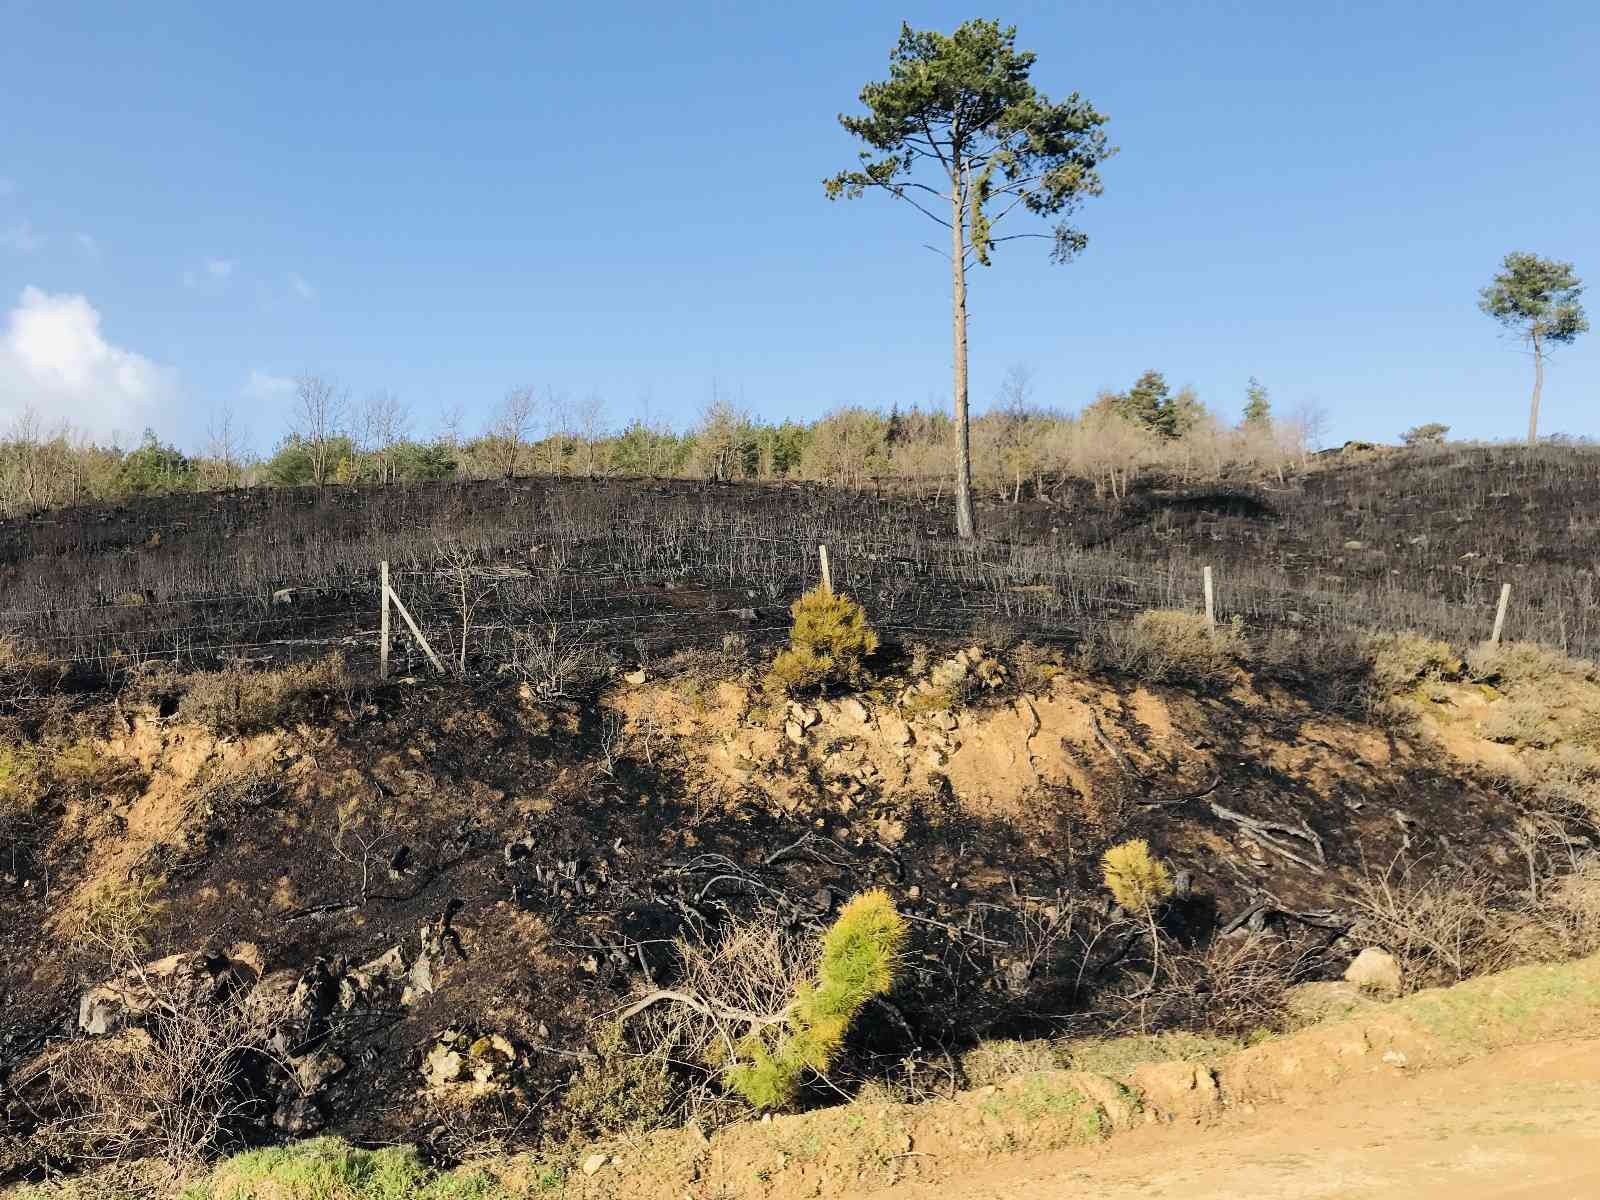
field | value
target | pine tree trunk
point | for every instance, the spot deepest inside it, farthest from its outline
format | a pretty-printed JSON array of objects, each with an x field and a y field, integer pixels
[
  {"x": 965, "y": 527},
  {"x": 1538, "y": 386}
]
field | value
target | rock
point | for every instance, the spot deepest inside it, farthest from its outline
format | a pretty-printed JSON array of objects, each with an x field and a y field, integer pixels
[
  {"x": 635, "y": 678},
  {"x": 315, "y": 1070},
  {"x": 1308, "y": 1003},
  {"x": 443, "y": 1065},
  {"x": 990, "y": 672},
  {"x": 593, "y": 1163},
  {"x": 803, "y": 716},
  {"x": 794, "y": 732},
  {"x": 1352, "y": 544},
  {"x": 374, "y": 984},
  {"x": 112, "y": 1005},
  {"x": 1375, "y": 970},
  {"x": 896, "y": 731},
  {"x": 1017, "y": 977},
  {"x": 1177, "y": 1090},
  {"x": 949, "y": 674},
  {"x": 852, "y": 709},
  {"x": 298, "y": 1116}
]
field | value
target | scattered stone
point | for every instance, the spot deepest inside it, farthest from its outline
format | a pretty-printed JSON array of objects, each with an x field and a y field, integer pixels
[
  {"x": 1352, "y": 544},
  {"x": 852, "y": 709},
  {"x": 635, "y": 678},
  {"x": 593, "y": 1163},
  {"x": 1375, "y": 970},
  {"x": 794, "y": 732}
]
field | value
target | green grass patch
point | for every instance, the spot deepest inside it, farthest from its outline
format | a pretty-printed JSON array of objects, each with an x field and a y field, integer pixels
[{"x": 331, "y": 1169}]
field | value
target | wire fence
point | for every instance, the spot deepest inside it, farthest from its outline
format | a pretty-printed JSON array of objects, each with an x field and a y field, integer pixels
[{"x": 692, "y": 578}]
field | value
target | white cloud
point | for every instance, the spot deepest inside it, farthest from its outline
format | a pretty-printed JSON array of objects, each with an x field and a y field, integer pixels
[
  {"x": 21, "y": 238},
  {"x": 301, "y": 288},
  {"x": 212, "y": 272},
  {"x": 264, "y": 387},
  {"x": 54, "y": 359}
]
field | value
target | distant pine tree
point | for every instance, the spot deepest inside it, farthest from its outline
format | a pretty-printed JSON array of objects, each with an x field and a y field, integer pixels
[
  {"x": 1148, "y": 404},
  {"x": 1257, "y": 407}
]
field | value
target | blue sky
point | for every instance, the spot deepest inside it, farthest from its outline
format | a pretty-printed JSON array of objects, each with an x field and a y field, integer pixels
[{"x": 198, "y": 201}]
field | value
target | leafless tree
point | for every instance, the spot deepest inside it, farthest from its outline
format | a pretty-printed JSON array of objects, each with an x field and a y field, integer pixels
[
  {"x": 451, "y": 422},
  {"x": 320, "y": 412},
  {"x": 591, "y": 434},
  {"x": 558, "y": 429},
  {"x": 225, "y": 440},
  {"x": 25, "y": 487},
  {"x": 385, "y": 422},
  {"x": 513, "y": 424}
]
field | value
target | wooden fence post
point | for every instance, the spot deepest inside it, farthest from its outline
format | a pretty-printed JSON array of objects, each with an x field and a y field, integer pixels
[
  {"x": 390, "y": 596},
  {"x": 1211, "y": 600},
  {"x": 827, "y": 575},
  {"x": 383, "y": 620},
  {"x": 1500, "y": 613}
]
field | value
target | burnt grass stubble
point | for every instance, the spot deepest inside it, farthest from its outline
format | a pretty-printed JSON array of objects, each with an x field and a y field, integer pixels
[
  {"x": 616, "y": 865},
  {"x": 1401, "y": 540}
]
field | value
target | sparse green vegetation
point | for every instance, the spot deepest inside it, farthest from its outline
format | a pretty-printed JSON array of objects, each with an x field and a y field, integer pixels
[
  {"x": 331, "y": 1169},
  {"x": 926, "y": 702},
  {"x": 617, "y": 1092}
]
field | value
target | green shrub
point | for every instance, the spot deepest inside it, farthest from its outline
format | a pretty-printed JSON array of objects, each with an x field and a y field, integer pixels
[
  {"x": 856, "y": 963},
  {"x": 1165, "y": 645},
  {"x": 828, "y": 644},
  {"x": 1136, "y": 879}
]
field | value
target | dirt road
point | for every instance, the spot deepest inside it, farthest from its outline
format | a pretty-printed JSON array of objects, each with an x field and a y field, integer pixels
[{"x": 1515, "y": 1125}]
